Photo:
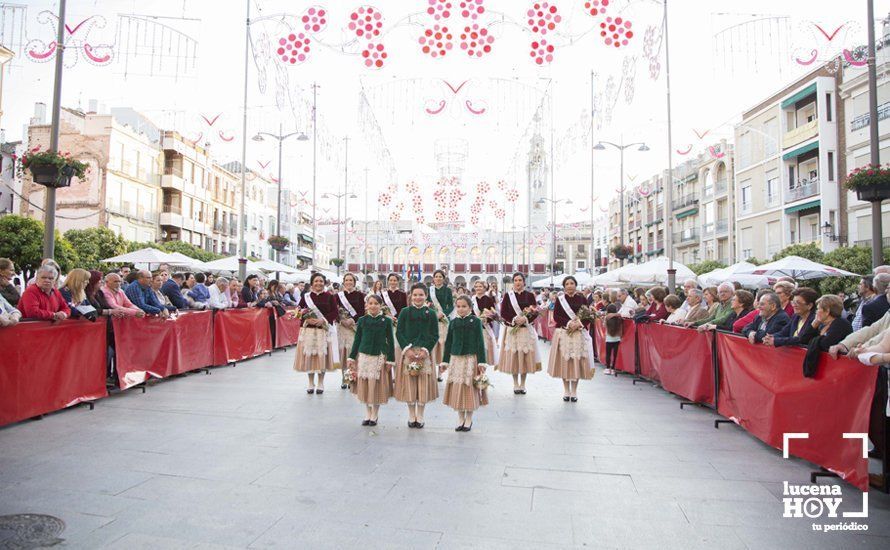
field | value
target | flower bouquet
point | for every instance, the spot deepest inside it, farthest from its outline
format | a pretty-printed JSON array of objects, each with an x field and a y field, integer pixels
[
  {"x": 414, "y": 368},
  {"x": 307, "y": 314},
  {"x": 388, "y": 313},
  {"x": 528, "y": 313},
  {"x": 481, "y": 382},
  {"x": 489, "y": 316},
  {"x": 349, "y": 376},
  {"x": 584, "y": 315}
]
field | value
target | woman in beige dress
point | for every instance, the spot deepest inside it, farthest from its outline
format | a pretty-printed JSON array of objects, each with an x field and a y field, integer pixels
[
  {"x": 317, "y": 349},
  {"x": 417, "y": 333},
  {"x": 464, "y": 360},
  {"x": 571, "y": 355},
  {"x": 518, "y": 339},
  {"x": 372, "y": 359}
]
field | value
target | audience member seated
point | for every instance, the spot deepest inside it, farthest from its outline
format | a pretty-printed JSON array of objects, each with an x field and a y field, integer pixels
[
  {"x": 876, "y": 308},
  {"x": 7, "y": 289},
  {"x": 804, "y": 303},
  {"x": 696, "y": 311},
  {"x": 75, "y": 295},
  {"x": 721, "y": 308},
  {"x": 783, "y": 289},
  {"x": 116, "y": 298},
  {"x": 219, "y": 295},
  {"x": 741, "y": 303},
  {"x": 627, "y": 305},
  {"x": 770, "y": 319},
  {"x": 745, "y": 320},
  {"x": 673, "y": 305},
  {"x": 657, "y": 310},
  {"x": 172, "y": 289},
  {"x": 9, "y": 315},
  {"x": 42, "y": 300},
  {"x": 288, "y": 298},
  {"x": 234, "y": 294},
  {"x": 199, "y": 292},
  {"x": 828, "y": 324},
  {"x": 250, "y": 290},
  {"x": 157, "y": 281},
  {"x": 143, "y": 296}
]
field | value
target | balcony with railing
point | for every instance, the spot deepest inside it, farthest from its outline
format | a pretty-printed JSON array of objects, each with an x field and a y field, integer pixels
[
  {"x": 867, "y": 243},
  {"x": 707, "y": 230},
  {"x": 721, "y": 227},
  {"x": 800, "y": 134},
  {"x": 686, "y": 237},
  {"x": 688, "y": 201},
  {"x": 802, "y": 189}
]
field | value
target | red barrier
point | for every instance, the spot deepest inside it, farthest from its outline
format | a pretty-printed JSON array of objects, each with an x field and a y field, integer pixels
[
  {"x": 47, "y": 367},
  {"x": 763, "y": 390},
  {"x": 287, "y": 330},
  {"x": 626, "y": 359},
  {"x": 240, "y": 334},
  {"x": 150, "y": 346},
  {"x": 678, "y": 358},
  {"x": 543, "y": 324}
]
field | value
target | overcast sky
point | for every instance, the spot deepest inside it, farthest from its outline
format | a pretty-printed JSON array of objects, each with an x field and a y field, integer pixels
[{"x": 714, "y": 75}]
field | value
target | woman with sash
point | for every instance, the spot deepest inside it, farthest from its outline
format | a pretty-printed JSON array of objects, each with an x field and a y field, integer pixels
[
  {"x": 442, "y": 301},
  {"x": 571, "y": 355},
  {"x": 371, "y": 360},
  {"x": 465, "y": 360},
  {"x": 518, "y": 342},
  {"x": 417, "y": 333},
  {"x": 394, "y": 300},
  {"x": 483, "y": 305},
  {"x": 317, "y": 348},
  {"x": 351, "y": 307}
]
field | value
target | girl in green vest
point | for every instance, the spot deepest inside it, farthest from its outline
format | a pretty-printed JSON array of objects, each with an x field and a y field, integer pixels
[
  {"x": 372, "y": 359},
  {"x": 417, "y": 333},
  {"x": 465, "y": 361}
]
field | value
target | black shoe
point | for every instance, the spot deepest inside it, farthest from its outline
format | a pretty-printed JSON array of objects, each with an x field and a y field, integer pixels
[
  {"x": 412, "y": 424},
  {"x": 522, "y": 392},
  {"x": 319, "y": 392},
  {"x": 439, "y": 379},
  {"x": 564, "y": 398},
  {"x": 418, "y": 425},
  {"x": 343, "y": 386},
  {"x": 310, "y": 391},
  {"x": 468, "y": 428},
  {"x": 366, "y": 422},
  {"x": 372, "y": 422},
  {"x": 517, "y": 392},
  {"x": 574, "y": 400},
  {"x": 459, "y": 428}
]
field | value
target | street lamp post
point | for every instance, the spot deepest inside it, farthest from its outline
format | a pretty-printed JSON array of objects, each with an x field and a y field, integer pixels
[
  {"x": 553, "y": 202},
  {"x": 345, "y": 195},
  {"x": 601, "y": 146},
  {"x": 280, "y": 137},
  {"x": 49, "y": 220}
]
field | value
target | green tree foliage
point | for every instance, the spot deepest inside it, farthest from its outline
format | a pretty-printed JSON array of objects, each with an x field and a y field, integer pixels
[
  {"x": 189, "y": 250},
  {"x": 65, "y": 254},
  {"x": 95, "y": 244},
  {"x": 809, "y": 251},
  {"x": 855, "y": 259},
  {"x": 22, "y": 242},
  {"x": 705, "y": 266}
]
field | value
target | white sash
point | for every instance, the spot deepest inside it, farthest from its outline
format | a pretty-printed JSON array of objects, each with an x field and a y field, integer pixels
[
  {"x": 388, "y": 301},
  {"x": 332, "y": 331},
  {"x": 345, "y": 303},
  {"x": 435, "y": 300},
  {"x": 515, "y": 303},
  {"x": 588, "y": 341},
  {"x": 488, "y": 328}
]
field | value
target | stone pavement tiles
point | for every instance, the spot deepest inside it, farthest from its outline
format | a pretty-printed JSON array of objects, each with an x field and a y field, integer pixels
[{"x": 244, "y": 458}]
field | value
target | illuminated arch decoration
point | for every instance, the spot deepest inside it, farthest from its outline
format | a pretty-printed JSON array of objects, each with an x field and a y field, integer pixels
[
  {"x": 829, "y": 45},
  {"x": 77, "y": 42}
]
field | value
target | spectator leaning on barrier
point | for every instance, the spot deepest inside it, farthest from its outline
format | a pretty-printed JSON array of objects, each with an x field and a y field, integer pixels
[
  {"x": 783, "y": 290},
  {"x": 688, "y": 286},
  {"x": 157, "y": 281},
  {"x": 672, "y": 304},
  {"x": 722, "y": 308},
  {"x": 746, "y": 320},
  {"x": 9, "y": 315},
  {"x": 42, "y": 300},
  {"x": 771, "y": 319},
  {"x": 143, "y": 296},
  {"x": 627, "y": 306},
  {"x": 234, "y": 294},
  {"x": 200, "y": 292},
  {"x": 742, "y": 304},
  {"x": 866, "y": 291},
  {"x": 877, "y": 307},
  {"x": 172, "y": 289},
  {"x": 250, "y": 292},
  {"x": 697, "y": 309},
  {"x": 116, "y": 298},
  {"x": 74, "y": 293},
  {"x": 219, "y": 297},
  {"x": 828, "y": 323},
  {"x": 7, "y": 289},
  {"x": 864, "y": 337},
  {"x": 803, "y": 300},
  {"x": 657, "y": 310}
]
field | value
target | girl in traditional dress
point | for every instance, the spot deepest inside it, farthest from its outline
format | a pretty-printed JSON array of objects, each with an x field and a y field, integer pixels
[
  {"x": 317, "y": 348},
  {"x": 571, "y": 355},
  {"x": 483, "y": 307},
  {"x": 371, "y": 360},
  {"x": 465, "y": 360},
  {"x": 351, "y": 307},
  {"x": 417, "y": 333},
  {"x": 442, "y": 300},
  {"x": 518, "y": 340},
  {"x": 394, "y": 300},
  {"x": 377, "y": 289}
]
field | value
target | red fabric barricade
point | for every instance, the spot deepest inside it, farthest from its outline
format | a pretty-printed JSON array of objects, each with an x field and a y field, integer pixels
[
  {"x": 287, "y": 329},
  {"x": 151, "y": 346},
  {"x": 626, "y": 359},
  {"x": 679, "y": 358},
  {"x": 50, "y": 366},
  {"x": 240, "y": 334},
  {"x": 763, "y": 390}
]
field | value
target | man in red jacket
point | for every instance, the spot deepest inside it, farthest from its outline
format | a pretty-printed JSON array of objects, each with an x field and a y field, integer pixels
[{"x": 42, "y": 300}]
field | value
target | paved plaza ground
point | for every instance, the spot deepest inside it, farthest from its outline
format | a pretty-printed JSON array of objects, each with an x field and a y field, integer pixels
[{"x": 243, "y": 458}]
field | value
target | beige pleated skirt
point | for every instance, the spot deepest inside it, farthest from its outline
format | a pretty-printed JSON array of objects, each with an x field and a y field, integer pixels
[
  {"x": 373, "y": 383},
  {"x": 314, "y": 352},
  {"x": 490, "y": 344},
  {"x": 568, "y": 356},
  {"x": 422, "y": 388},
  {"x": 439, "y": 349},
  {"x": 345, "y": 338},
  {"x": 518, "y": 352},
  {"x": 460, "y": 393}
]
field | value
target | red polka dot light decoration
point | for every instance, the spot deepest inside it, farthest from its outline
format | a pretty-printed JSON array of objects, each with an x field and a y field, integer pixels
[
  {"x": 596, "y": 7},
  {"x": 314, "y": 19},
  {"x": 374, "y": 55},
  {"x": 437, "y": 41},
  {"x": 366, "y": 22},
  {"x": 543, "y": 18},
  {"x": 476, "y": 41},
  {"x": 293, "y": 49},
  {"x": 472, "y": 9},
  {"x": 542, "y": 51},
  {"x": 616, "y": 32},
  {"x": 440, "y": 9}
]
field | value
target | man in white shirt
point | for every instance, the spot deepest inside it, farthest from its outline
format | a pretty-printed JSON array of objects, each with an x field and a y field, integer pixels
[
  {"x": 628, "y": 304},
  {"x": 219, "y": 296},
  {"x": 688, "y": 286}
]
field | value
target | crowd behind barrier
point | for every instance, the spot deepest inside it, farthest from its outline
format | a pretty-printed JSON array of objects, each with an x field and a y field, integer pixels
[
  {"x": 760, "y": 388},
  {"x": 37, "y": 378}
]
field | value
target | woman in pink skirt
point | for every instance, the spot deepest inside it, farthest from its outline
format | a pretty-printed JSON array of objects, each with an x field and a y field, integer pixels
[
  {"x": 518, "y": 339},
  {"x": 465, "y": 361},
  {"x": 571, "y": 355},
  {"x": 317, "y": 349}
]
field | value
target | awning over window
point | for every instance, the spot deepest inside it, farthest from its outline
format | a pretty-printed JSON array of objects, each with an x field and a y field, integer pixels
[
  {"x": 682, "y": 215},
  {"x": 801, "y": 150},
  {"x": 809, "y": 90},
  {"x": 804, "y": 206}
]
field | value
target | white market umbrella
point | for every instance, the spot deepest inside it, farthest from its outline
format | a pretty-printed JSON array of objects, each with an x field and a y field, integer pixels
[
  {"x": 584, "y": 278},
  {"x": 735, "y": 274},
  {"x": 649, "y": 273},
  {"x": 187, "y": 261},
  {"x": 144, "y": 256},
  {"x": 548, "y": 282},
  {"x": 271, "y": 266},
  {"x": 611, "y": 277},
  {"x": 230, "y": 265},
  {"x": 797, "y": 268},
  {"x": 299, "y": 276}
]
